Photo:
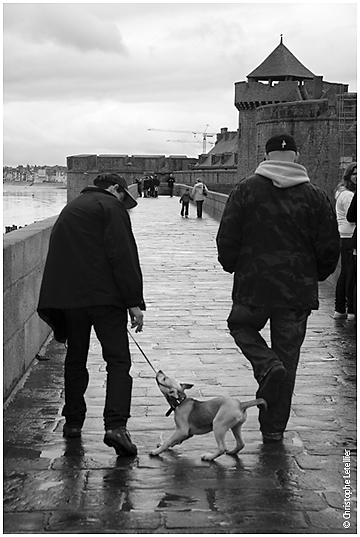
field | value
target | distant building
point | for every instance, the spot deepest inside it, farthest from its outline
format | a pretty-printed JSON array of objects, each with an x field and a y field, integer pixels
[
  {"x": 224, "y": 154},
  {"x": 35, "y": 174},
  {"x": 282, "y": 95}
]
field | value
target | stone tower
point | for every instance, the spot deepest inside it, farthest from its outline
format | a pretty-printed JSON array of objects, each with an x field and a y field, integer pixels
[{"x": 282, "y": 95}]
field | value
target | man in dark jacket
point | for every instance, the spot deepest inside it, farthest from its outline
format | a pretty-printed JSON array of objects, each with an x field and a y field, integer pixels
[
  {"x": 92, "y": 278},
  {"x": 171, "y": 182},
  {"x": 279, "y": 236}
]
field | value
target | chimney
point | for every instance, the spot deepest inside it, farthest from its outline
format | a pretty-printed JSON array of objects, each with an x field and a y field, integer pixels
[{"x": 224, "y": 135}]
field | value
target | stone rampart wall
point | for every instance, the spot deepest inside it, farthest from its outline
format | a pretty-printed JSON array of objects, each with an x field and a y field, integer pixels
[
  {"x": 314, "y": 125},
  {"x": 24, "y": 254}
]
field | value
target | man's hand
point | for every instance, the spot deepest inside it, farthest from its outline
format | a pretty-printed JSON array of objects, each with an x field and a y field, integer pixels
[{"x": 137, "y": 318}]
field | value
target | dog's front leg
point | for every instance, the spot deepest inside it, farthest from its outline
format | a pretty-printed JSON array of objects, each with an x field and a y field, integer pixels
[{"x": 178, "y": 437}]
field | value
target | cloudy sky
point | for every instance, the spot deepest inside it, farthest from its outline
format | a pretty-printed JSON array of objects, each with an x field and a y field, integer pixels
[{"x": 94, "y": 78}]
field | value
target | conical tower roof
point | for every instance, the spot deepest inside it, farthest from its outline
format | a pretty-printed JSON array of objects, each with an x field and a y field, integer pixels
[{"x": 281, "y": 64}]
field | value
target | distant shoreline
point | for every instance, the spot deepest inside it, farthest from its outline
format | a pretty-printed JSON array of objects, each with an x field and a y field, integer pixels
[{"x": 29, "y": 184}]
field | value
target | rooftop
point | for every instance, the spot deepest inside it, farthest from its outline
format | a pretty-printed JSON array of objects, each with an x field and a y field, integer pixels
[{"x": 281, "y": 64}]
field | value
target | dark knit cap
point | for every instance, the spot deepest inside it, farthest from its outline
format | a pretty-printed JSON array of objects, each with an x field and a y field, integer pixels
[{"x": 281, "y": 142}]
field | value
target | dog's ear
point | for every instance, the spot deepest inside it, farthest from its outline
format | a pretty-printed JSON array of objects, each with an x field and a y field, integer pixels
[{"x": 186, "y": 386}]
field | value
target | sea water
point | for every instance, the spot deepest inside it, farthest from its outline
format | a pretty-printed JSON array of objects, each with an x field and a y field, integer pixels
[{"x": 24, "y": 204}]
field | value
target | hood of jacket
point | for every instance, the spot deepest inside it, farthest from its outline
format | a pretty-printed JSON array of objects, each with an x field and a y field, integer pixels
[{"x": 283, "y": 174}]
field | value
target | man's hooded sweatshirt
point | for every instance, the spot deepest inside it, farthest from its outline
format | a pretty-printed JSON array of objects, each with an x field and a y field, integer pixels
[{"x": 279, "y": 236}]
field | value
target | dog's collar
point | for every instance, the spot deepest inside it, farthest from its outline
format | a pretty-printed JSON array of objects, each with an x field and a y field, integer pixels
[{"x": 174, "y": 403}]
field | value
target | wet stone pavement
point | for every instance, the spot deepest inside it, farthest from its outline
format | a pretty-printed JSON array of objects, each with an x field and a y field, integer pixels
[{"x": 53, "y": 485}]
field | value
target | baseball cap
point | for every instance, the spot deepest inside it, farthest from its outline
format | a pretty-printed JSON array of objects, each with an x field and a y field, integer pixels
[
  {"x": 281, "y": 142},
  {"x": 116, "y": 179}
]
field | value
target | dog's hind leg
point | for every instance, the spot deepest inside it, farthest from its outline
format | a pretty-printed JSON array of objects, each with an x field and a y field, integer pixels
[
  {"x": 239, "y": 441},
  {"x": 219, "y": 432}
]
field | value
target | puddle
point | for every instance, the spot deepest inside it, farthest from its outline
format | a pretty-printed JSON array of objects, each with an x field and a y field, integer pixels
[
  {"x": 51, "y": 454},
  {"x": 297, "y": 441},
  {"x": 47, "y": 486}
]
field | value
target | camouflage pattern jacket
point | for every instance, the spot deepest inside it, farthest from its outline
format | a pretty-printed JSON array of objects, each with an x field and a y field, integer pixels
[{"x": 279, "y": 235}]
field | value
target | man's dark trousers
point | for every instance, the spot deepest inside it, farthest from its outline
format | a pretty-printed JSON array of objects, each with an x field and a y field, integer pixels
[
  {"x": 110, "y": 325},
  {"x": 287, "y": 332}
]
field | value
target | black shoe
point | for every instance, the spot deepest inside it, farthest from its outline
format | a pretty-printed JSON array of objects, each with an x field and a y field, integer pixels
[
  {"x": 269, "y": 386},
  {"x": 71, "y": 431},
  {"x": 120, "y": 440}
]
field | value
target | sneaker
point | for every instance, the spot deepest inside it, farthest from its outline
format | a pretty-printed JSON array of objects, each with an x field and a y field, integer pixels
[
  {"x": 338, "y": 315},
  {"x": 351, "y": 317},
  {"x": 120, "y": 440},
  {"x": 269, "y": 386},
  {"x": 71, "y": 431}
]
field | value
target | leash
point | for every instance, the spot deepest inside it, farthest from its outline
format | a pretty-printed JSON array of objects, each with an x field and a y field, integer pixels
[
  {"x": 173, "y": 402},
  {"x": 142, "y": 352}
]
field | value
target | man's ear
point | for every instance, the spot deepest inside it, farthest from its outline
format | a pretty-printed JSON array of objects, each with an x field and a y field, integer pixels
[{"x": 186, "y": 386}]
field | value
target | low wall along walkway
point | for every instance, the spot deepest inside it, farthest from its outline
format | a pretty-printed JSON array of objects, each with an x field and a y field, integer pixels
[{"x": 24, "y": 254}]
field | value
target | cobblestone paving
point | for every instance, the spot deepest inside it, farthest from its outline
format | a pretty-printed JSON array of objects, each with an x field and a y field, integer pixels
[{"x": 53, "y": 485}]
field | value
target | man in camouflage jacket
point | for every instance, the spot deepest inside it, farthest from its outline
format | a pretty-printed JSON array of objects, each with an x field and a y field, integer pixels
[{"x": 279, "y": 236}]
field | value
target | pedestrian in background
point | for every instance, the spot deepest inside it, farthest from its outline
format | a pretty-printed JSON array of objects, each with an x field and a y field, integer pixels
[
  {"x": 344, "y": 303},
  {"x": 156, "y": 186},
  {"x": 139, "y": 187},
  {"x": 199, "y": 193},
  {"x": 185, "y": 201},
  {"x": 92, "y": 278},
  {"x": 352, "y": 276},
  {"x": 146, "y": 186},
  {"x": 278, "y": 235},
  {"x": 171, "y": 182},
  {"x": 151, "y": 187}
]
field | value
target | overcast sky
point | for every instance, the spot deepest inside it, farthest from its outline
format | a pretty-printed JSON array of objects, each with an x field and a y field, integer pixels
[{"x": 93, "y": 78}]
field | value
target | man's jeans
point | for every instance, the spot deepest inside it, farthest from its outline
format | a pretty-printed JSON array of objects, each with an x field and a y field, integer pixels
[
  {"x": 110, "y": 325},
  {"x": 287, "y": 333}
]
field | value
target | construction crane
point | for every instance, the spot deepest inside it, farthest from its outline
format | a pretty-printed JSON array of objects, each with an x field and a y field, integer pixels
[
  {"x": 204, "y": 134},
  {"x": 189, "y": 142}
]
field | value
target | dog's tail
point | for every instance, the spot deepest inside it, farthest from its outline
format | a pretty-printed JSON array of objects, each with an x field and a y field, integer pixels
[{"x": 254, "y": 402}]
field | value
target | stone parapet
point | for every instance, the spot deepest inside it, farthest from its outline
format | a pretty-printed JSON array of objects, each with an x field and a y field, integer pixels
[
  {"x": 254, "y": 94},
  {"x": 24, "y": 254}
]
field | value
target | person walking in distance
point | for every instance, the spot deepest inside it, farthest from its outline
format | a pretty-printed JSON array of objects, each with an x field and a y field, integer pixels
[
  {"x": 352, "y": 275},
  {"x": 138, "y": 181},
  {"x": 344, "y": 303},
  {"x": 185, "y": 202},
  {"x": 92, "y": 278},
  {"x": 199, "y": 193},
  {"x": 278, "y": 235},
  {"x": 171, "y": 182}
]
